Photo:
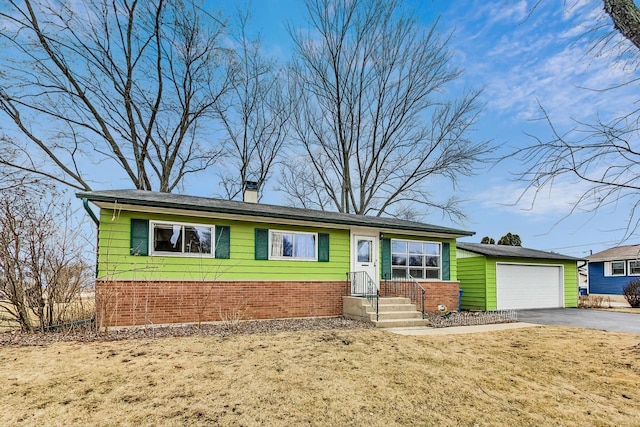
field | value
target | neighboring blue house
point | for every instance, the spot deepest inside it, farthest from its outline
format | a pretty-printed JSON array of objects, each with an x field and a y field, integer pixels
[{"x": 612, "y": 269}]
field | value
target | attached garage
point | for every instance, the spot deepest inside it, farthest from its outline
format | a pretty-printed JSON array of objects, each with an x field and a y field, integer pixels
[
  {"x": 529, "y": 286},
  {"x": 495, "y": 277}
]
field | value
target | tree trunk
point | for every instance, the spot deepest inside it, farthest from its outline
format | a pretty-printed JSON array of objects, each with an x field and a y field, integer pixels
[{"x": 626, "y": 18}]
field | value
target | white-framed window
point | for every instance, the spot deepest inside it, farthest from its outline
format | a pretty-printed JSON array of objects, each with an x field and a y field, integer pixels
[
  {"x": 421, "y": 260},
  {"x": 293, "y": 245},
  {"x": 175, "y": 238},
  {"x": 615, "y": 268},
  {"x": 634, "y": 268}
]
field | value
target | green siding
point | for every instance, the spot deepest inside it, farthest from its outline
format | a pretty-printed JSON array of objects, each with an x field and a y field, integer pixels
[
  {"x": 479, "y": 272},
  {"x": 453, "y": 261},
  {"x": 472, "y": 273},
  {"x": 492, "y": 288},
  {"x": 571, "y": 284},
  {"x": 115, "y": 261}
]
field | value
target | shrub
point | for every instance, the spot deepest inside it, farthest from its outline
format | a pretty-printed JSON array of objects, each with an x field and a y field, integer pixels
[
  {"x": 632, "y": 293},
  {"x": 591, "y": 301}
]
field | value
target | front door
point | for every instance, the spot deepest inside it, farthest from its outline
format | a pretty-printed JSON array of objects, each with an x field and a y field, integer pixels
[{"x": 364, "y": 254}]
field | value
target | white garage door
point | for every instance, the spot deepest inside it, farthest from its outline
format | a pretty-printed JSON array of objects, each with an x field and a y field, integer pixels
[{"x": 529, "y": 286}]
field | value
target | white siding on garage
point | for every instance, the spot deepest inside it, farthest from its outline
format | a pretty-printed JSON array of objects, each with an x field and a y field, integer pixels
[{"x": 521, "y": 286}]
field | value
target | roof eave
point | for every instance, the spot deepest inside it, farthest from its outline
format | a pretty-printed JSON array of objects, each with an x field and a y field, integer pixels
[{"x": 109, "y": 199}]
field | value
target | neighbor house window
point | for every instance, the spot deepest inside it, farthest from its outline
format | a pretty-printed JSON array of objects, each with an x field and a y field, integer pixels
[
  {"x": 634, "y": 268},
  {"x": 182, "y": 239},
  {"x": 420, "y": 260},
  {"x": 615, "y": 268},
  {"x": 290, "y": 245}
]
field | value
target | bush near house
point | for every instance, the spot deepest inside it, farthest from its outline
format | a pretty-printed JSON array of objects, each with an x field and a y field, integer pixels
[{"x": 632, "y": 293}]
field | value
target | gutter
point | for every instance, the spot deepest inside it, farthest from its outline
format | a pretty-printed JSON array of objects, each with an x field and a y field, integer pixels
[
  {"x": 266, "y": 213},
  {"x": 85, "y": 202}
]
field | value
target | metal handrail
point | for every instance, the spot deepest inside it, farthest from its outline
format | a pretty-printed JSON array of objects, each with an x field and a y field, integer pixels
[
  {"x": 359, "y": 283},
  {"x": 406, "y": 287}
]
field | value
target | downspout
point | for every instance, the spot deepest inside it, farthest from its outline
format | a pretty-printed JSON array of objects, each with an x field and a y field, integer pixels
[
  {"x": 585, "y": 264},
  {"x": 85, "y": 203}
]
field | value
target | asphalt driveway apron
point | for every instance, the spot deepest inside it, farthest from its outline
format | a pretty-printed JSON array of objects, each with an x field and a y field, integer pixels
[{"x": 593, "y": 319}]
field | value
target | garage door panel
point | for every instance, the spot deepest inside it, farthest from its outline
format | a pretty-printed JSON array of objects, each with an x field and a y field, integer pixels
[{"x": 521, "y": 286}]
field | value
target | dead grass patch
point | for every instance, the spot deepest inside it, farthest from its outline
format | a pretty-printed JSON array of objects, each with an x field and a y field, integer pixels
[
  {"x": 527, "y": 377},
  {"x": 80, "y": 308}
]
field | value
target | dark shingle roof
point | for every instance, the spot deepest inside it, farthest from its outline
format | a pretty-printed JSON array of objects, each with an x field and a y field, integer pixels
[
  {"x": 260, "y": 210},
  {"x": 511, "y": 251},
  {"x": 617, "y": 253}
]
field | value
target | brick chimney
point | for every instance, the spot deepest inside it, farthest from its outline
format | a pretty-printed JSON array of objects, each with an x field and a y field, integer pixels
[{"x": 250, "y": 192}]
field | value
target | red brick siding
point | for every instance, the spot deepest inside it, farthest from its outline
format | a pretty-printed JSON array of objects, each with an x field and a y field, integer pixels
[
  {"x": 436, "y": 293},
  {"x": 441, "y": 293},
  {"x": 125, "y": 303}
]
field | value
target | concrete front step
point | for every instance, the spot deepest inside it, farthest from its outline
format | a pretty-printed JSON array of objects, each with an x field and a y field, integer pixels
[
  {"x": 396, "y": 312},
  {"x": 401, "y": 323},
  {"x": 395, "y": 315},
  {"x": 395, "y": 307},
  {"x": 393, "y": 300},
  {"x": 392, "y": 312}
]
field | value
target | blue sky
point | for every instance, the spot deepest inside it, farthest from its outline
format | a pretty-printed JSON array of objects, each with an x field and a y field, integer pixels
[{"x": 521, "y": 58}]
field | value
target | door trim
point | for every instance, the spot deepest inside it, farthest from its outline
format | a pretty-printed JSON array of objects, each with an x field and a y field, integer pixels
[{"x": 355, "y": 234}]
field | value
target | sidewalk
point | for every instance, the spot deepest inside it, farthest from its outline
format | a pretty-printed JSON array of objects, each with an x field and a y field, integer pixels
[{"x": 454, "y": 330}]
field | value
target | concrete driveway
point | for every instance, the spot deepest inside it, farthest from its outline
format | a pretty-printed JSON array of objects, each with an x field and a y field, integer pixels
[{"x": 593, "y": 319}]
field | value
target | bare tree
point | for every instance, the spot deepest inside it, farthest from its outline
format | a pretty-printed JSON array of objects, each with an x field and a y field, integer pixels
[
  {"x": 373, "y": 117},
  {"x": 41, "y": 263},
  {"x": 254, "y": 114},
  {"x": 603, "y": 154},
  {"x": 122, "y": 84},
  {"x": 626, "y": 21}
]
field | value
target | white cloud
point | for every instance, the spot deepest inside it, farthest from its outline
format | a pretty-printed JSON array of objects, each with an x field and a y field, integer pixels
[
  {"x": 508, "y": 12},
  {"x": 555, "y": 201},
  {"x": 540, "y": 60}
]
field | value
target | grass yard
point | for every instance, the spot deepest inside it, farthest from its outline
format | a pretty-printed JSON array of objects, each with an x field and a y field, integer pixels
[{"x": 541, "y": 376}]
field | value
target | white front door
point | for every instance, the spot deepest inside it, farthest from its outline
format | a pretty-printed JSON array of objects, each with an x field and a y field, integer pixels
[{"x": 364, "y": 258}]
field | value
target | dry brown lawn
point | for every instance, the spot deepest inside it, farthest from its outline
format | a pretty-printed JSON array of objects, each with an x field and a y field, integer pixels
[{"x": 541, "y": 376}]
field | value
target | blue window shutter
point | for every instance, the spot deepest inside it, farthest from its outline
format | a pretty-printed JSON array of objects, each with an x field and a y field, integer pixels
[
  {"x": 446, "y": 262},
  {"x": 262, "y": 243},
  {"x": 386, "y": 258},
  {"x": 323, "y": 247},
  {"x": 223, "y": 241},
  {"x": 139, "y": 237}
]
